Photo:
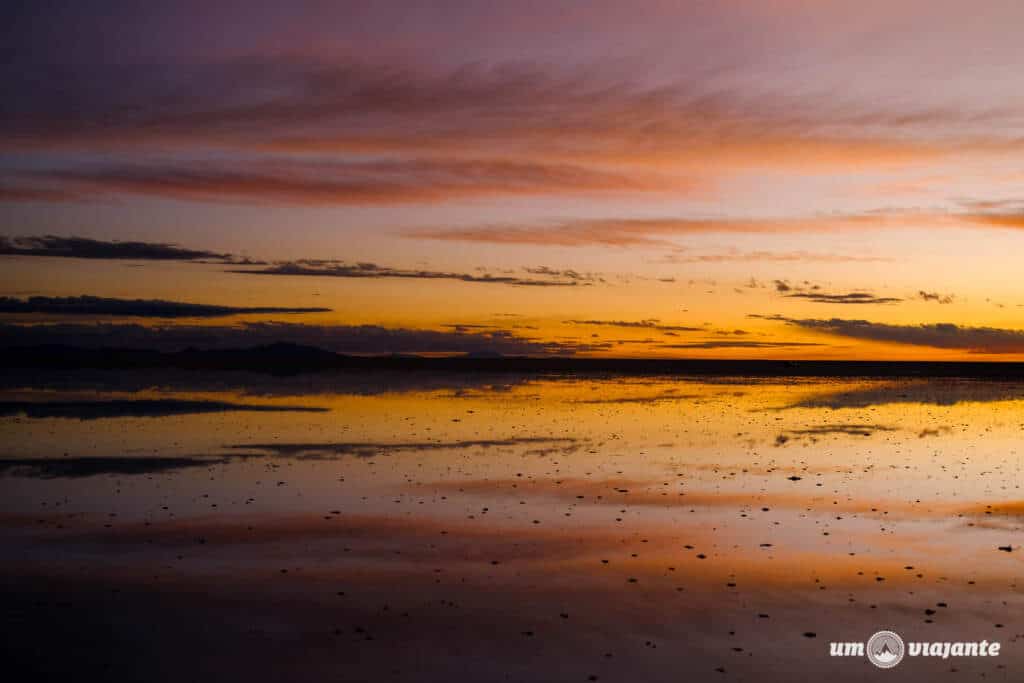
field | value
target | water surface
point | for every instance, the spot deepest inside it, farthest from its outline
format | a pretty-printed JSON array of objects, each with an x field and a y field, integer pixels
[{"x": 436, "y": 528}]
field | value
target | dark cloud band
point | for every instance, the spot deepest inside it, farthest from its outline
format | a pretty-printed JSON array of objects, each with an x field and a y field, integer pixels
[
  {"x": 141, "y": 308},
  {"x": 81, "y": 247},
  {"x": 851, "y": 298},
  {"x": 980, "y": 340}
]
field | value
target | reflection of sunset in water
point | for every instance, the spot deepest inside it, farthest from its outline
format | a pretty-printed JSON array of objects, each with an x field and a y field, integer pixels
[{"x": 722, "y": 518}]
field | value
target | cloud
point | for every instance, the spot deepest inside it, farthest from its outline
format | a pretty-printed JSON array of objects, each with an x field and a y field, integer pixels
[
  {"x": 356, "y": 339},
  {"x": 651, "y": 324},
  {"x": 980, "y": 340},
  {"x": 294, "y": 181},
  {"x": 643, "y": 232},
  {"x": 995, "y": 213},
  {"x": 660, "y": 232},
  {"x": 151, "y": 308},
  {"x": 812, "y": 292},
  {"x": 567, "y": 273},
  {"x": 936, "y": 297},
  {"x": 851, "y": 298},
  {"x": 738, "y": 344},
  {"x": 312, "y": 268},
  {"x": 82, "y": 247},
  {"x": 292, "y": 104},
  {"x": 771, "y": 257},
  {"x": 318, "y": 131},
  {"x": 19, "y": 192},
  {"x": 999, "y": 219}
]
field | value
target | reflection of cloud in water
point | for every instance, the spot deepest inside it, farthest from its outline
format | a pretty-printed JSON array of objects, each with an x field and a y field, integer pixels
[
  {"x": 626, "y": 492},
  {"x": 941, "y": 430},
  {"x": 543, "y": 446},
  {"x": 72, "y": 468},
  {"x": 667, "y": 395},
  {"x": 341, "y": 383},
  {"x": 812, "y": 433},
  {"x": 936, "y": 392},
  {"x": 94, "y": 410}
]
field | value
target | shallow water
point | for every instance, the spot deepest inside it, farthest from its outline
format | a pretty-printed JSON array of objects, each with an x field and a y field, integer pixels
[{"x": 433, "y": 528}]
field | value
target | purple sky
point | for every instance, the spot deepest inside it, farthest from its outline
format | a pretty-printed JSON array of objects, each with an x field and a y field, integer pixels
[{"x": 849, "y": 146}]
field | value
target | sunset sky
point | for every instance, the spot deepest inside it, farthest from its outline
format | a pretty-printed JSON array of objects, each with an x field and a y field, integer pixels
[{"x": 719, "y": 179}]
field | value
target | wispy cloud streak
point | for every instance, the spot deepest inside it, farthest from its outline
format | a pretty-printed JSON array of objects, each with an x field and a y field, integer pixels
[
  {"x": 978, "y": 340},
  {"x": 312, "y": 268}
]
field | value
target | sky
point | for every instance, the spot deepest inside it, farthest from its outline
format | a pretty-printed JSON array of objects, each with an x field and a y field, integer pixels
[{"x": 720, "y": 179}]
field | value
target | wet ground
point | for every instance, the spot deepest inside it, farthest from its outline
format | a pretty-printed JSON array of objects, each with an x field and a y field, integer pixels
[{"x": 443, "y": 528}]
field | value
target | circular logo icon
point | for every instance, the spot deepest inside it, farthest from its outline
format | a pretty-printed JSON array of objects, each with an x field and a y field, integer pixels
[{"x": 885, "y": 649}]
